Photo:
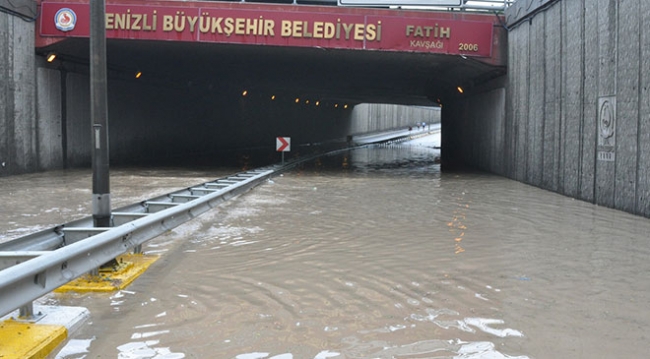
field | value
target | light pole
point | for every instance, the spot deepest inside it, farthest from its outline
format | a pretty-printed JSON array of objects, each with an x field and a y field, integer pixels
[{"x": 99, "y": 115}]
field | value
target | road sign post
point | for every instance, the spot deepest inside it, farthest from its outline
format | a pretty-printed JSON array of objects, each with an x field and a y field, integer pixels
[{"x": 283, "y": 144}]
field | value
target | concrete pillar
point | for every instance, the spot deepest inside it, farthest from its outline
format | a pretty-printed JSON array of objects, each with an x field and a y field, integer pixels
[
  {"x": 17, "y": 96},
  {"x": 49, "y": 129}
]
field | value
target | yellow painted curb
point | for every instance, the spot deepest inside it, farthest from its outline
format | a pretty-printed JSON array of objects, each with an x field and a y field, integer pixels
[
  {"x": 131, "y": 266},
  {"x": 27, "y": 340}
]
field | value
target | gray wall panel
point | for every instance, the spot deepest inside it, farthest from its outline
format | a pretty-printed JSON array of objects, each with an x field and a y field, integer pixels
[
  {"x": 498, "y": 160},
  {"x": 627, "y": 119},
  {"x": 552, "y": 99},
  {"x": 24, "y": 96},
  {"x": 48, "y": 118},
  {"x": 521, "y": 71},
  {"x": 572, "y": 116},
  {"x": 78, "y": 120},
  {"x": 17, "y": 101},
  {"x": 590, "y": 102},
  {"x": 512, "y": 102},
  {"x": 607, "y": 28},
  {"x": 6, "y": 106},
  {"x": 643, "y": 174},
  {"x": 536, "y": 87}
]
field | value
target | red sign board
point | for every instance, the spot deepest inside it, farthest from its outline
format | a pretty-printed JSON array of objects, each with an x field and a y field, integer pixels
[
  {"x": 283, "y": 144},
  {"x": 205, "y": 22}
]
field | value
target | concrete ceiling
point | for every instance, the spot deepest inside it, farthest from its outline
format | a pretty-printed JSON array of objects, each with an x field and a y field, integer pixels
[{"x": 354, "y": 76}]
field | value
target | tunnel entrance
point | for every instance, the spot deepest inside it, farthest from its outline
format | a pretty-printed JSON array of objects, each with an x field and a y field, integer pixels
[{"x": 172, "y": 98}]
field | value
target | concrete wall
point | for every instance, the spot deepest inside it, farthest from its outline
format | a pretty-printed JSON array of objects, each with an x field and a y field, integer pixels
[
  {"x": 18, "y": 137},
  {"x": 578, "y": 102},
  {"x": 474, "y": 129},
  {"x": 377, "y": 117},
  {"x": 50, "y": 134}
]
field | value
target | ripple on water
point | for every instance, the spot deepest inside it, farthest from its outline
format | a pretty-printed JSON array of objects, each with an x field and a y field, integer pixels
[{"x": 384, "y": 257}]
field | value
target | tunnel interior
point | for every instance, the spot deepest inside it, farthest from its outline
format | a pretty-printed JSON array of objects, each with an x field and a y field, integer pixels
[
  {"x": 171, "y": 99},
  {"x": 354, "y": 76}
]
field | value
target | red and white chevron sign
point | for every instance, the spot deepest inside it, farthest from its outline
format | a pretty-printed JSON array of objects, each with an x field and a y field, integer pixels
[{"x": 283, "y": 144}]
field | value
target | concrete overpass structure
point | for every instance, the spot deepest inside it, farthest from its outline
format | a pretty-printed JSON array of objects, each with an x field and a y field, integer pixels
[
  {"x": 568, "y": 111},
  {"x": 220, "y": 75},
  {"x": 348, "y": 54}
]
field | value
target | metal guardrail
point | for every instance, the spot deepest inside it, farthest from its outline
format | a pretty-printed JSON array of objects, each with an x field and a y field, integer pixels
[
  {"x": 35, "y": 265},
  {"x": 465, "y": 5},
  {"x": 462, "y": 5},
  {"x": 474, "y": 6},
  {"x": 489, "y": 5}
]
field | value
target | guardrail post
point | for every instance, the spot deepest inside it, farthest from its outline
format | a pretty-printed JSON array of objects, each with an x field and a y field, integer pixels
[{"x": 26, "y": 311}]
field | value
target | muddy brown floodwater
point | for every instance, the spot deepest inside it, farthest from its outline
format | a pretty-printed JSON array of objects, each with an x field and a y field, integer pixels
[{"x": 371, "y": 254}]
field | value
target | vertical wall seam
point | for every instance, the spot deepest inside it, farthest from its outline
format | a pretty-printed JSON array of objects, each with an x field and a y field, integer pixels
[
  {"x": 559, "y": 165},
  {"x": 581, "y": 124},
  {"x": 507, "y": 121},
  {"x": 595, "y": 133},
  {"x": 11, "y": 162},
  {"x": 514, "y": 120},
  {"x": 513, "y": 128},
  {"x": 527, "y": 116},
  {"x": 543, "y": 119},
  {"x": 616, "y": 132},
  {"x": 4, "y": 90},
  {"x": 639, "y": 104}
]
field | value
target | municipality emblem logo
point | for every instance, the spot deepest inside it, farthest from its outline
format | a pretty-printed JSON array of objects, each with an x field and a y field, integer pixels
[{"x": 65, "y": 19}]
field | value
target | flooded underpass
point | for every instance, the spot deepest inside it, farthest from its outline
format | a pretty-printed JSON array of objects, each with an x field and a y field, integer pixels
[{"x": 372, "y": 253}]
